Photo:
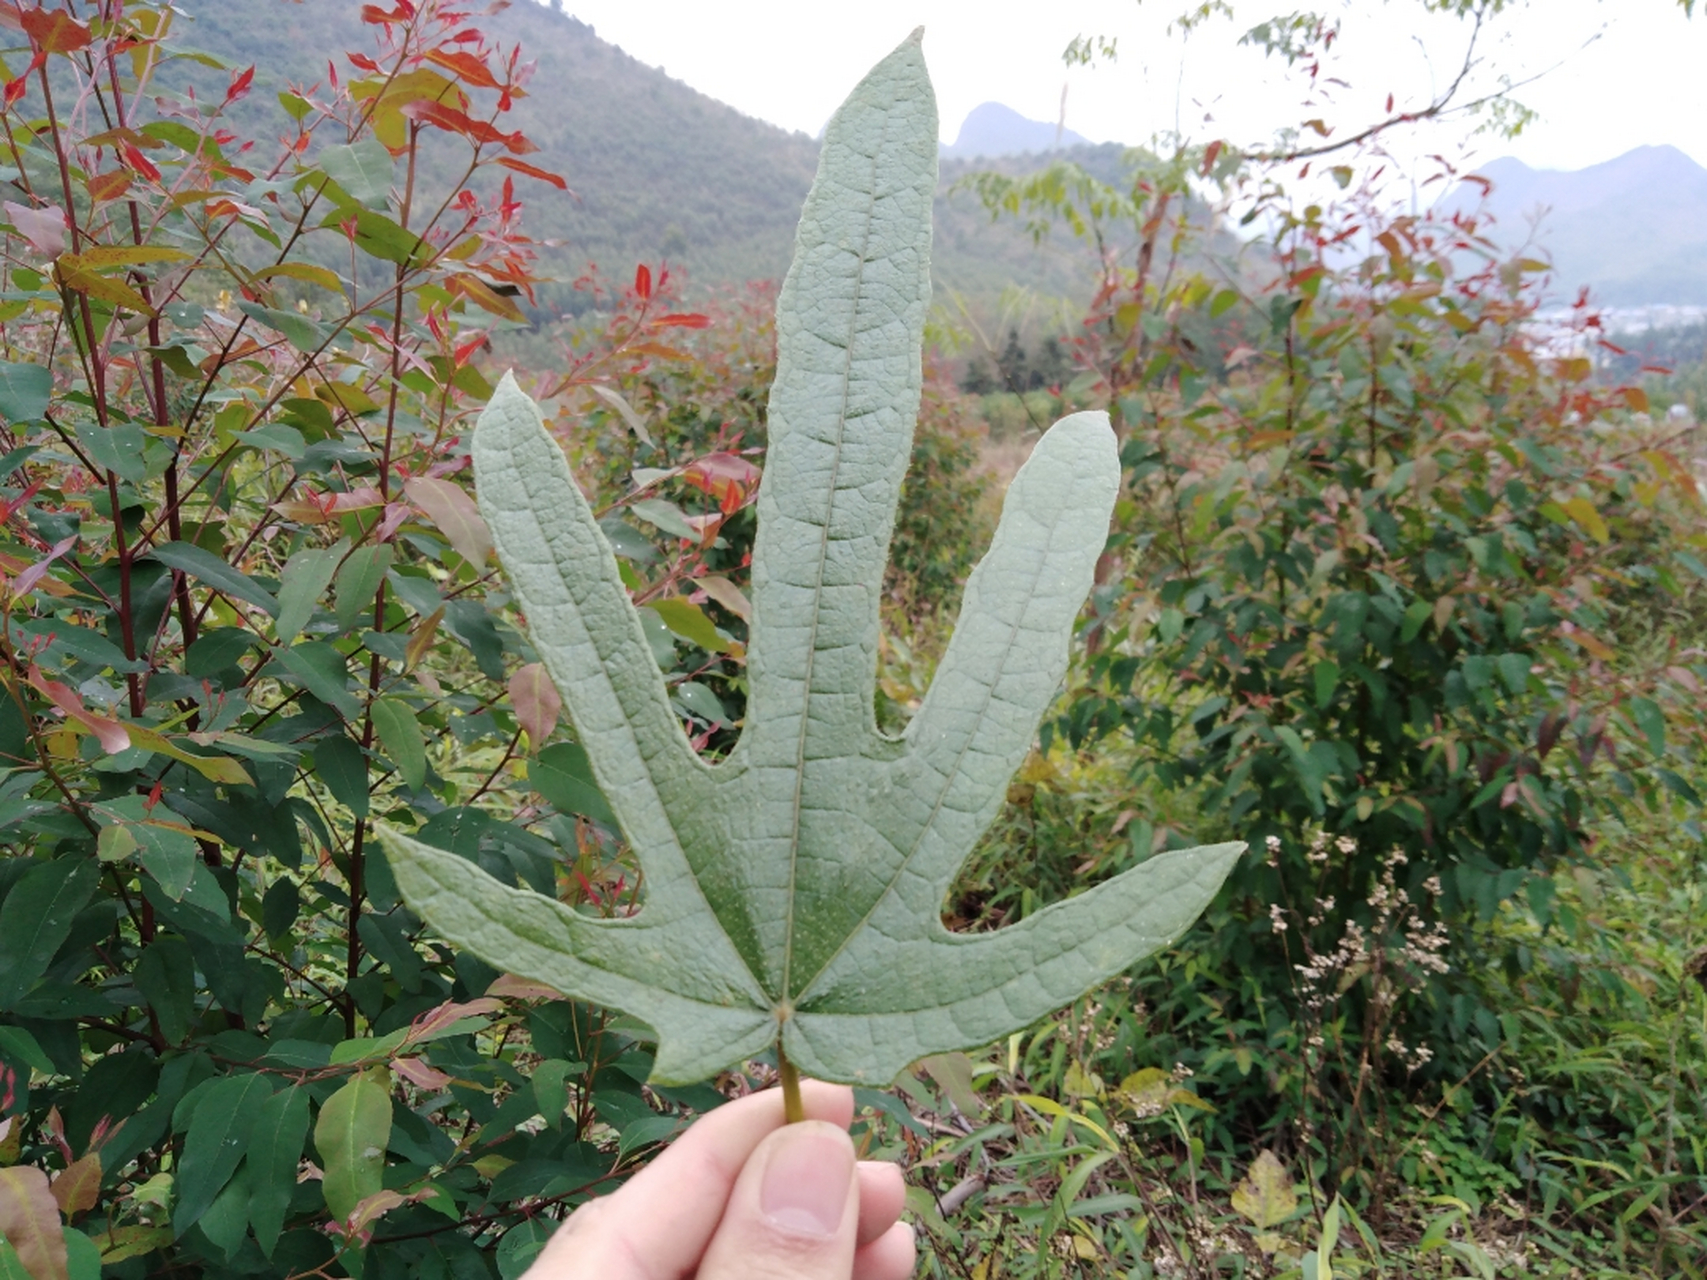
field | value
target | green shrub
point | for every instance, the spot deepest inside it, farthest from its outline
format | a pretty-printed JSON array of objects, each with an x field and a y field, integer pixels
[
  {"x": 249, "y": 609},
  {"x": 1392, "y": 576}
]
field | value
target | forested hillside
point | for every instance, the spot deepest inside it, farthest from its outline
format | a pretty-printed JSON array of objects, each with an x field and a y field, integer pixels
[{"x": 658, "y": 170}]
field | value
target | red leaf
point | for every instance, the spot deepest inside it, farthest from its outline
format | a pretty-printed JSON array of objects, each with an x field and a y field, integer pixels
[
  {"x": 240, "y": 84},
  {"x": 533, "y": 171},
  {"x": 536, "y": 702},
  {"x": 449, "y": 507},
  {"x": 55, "y": 31},
  {"x": 436, "y": 1021},
  {"x": 479, "y": 132},
  {"x": 29, "y": 1219},
  {"x": 109, "y": 185},
  {"x": 27, "y": 580},
  {"x": 643, "y": 281},
  {"x": 721, "y": 475},
  {"x": 112, "y": 735},
  {"x": 465, "y": 65},
  {"x": 139, "y": 162},
  {"x": 419, "y": 1074},
  {"x": 362, "y": 62},
  {"x": 682, "y": 320}
]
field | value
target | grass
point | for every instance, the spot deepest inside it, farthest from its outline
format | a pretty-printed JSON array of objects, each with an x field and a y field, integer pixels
[{"x": 1579, "y": 1152}]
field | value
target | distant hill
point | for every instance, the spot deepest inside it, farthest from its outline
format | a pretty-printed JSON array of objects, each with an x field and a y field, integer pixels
[
  {"x": 994, "y": 130},
  {"x": 659, "y": 170},
  {"x": 1633, "y": 229}
]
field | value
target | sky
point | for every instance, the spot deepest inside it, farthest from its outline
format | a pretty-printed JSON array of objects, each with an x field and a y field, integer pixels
[{"x": 1613, "y": 74}]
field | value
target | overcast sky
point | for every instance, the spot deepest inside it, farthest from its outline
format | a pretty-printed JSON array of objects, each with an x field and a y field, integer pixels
[{"x": 1618, "y": 73}]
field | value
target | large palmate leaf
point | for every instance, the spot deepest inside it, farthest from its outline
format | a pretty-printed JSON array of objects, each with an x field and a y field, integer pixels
[{"x": 794, "y": 891}]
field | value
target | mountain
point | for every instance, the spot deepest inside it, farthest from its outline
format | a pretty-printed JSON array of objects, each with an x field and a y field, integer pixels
[
  {"x": 659, "y": 171},
  {"x": 994, "y": 130},
  {"x": 1634, "y": 229}
]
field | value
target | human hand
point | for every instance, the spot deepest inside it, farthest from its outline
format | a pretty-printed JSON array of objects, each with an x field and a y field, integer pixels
[{"x": 743, "y": 1196}]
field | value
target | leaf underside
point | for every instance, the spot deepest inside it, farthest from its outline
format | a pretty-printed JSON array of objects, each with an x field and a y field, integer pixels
[{"x": 796, "y": 888}]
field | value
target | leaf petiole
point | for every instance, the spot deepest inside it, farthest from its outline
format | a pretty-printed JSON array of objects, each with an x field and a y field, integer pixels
[{"x": 792, "y": 1108}]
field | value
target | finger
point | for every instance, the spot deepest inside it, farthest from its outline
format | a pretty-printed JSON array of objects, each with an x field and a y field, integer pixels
[
  {"x": 658, "y": 1224},
  {"x": 794, "y": 1212},
  {"x": 891, "y": 1256},
  {"x": 882, "y": 1193}
]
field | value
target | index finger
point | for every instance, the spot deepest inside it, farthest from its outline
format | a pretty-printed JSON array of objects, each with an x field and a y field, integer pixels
[{"x": 657, "y": 1225}]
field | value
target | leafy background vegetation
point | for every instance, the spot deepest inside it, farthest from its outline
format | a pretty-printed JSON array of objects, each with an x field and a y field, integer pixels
[{"x": 1403, "y": 589}]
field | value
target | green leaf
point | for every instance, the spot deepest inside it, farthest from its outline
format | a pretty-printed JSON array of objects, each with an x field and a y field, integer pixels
[
  {"x": 358, "y": 582},
  {"x": 320, "y": 669},
  {"x": 400, "y": 735},
  {"x": 688, "y": 620},
  {"x": 117, "y": 448},
  {"x": 342, "y": 765},
  {"x": 1514, "y": 671},
  {"x": 215, "y": 1144},
  {"x": 166, "y": 978},
  {"x": 280, "y": 906},
  {"x": 25, "y": 390},
  {"x": 21, "y": 1046},
  {"x": 1416, "y": 616},
  {"x": 168, "y": 853},
  {"x": 36, "y": 919},
  {"x": 1649, "y": 720},
  {"x": 666, "y": 517},
  {"x": 216, "y": 651},
  {"x": 1306, "y": 762},
  {"x": 362, "y": 169},
  {"x": 563, "y": 775},
  {"x": 380, "y": 237},
  {"x": 298, "y": 330},
  {"x": 351, "y": 1136},
  {"x": 521, "y": 1246},
  {"x": 306, "y": 576},
  {"x": 1327, "y": 676},
  {"x": 214, "y": 572},
  {"x": 275, "y": 1147},
  {"x": 227, "y": 1218},
  {"x": 795, "y": 891},
  {"x": 384, "y": 938}
]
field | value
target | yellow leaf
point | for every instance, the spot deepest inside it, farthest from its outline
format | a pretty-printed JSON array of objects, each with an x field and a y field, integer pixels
[
  {"x": 76, "y": 1188},
  {"x": 485, "y": 296},
  {"x": 422, "y": 638},
  {"x": 122, "y": 1243},
  {"x": 213, "y": 768},
  {"x": 125, "y": 255},
  {"x": 305, "y": 271},
  {"x": 1080, "y": 1082},
  {"x": 1582, "y": 511},
  {"x": 1265, "y": 1197},
  {"x": 1442, "y": 612},
  {"x": 727, "y": 594},
  {"x": 346, "y": 397},
  {"x": 116, "y": 292}
]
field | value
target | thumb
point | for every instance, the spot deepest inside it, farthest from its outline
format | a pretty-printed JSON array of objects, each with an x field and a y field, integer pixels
[{"x": 794, "y": 1212}]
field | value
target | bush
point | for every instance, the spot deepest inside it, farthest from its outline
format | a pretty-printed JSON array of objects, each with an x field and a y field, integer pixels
[
  {"x": 250, "y": 609},
  {"x": 1399, "y": 595}
]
